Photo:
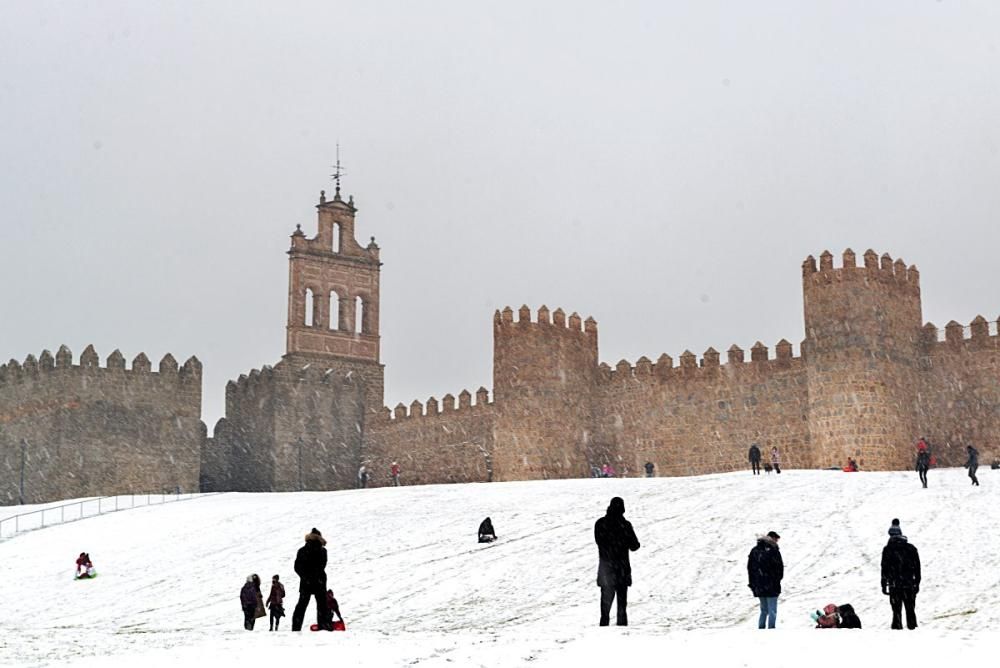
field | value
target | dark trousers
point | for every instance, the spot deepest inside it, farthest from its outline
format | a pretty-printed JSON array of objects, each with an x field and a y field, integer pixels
[
  {"x": 972, "y": 474},
  {"x": 300, "y": 608},
  {"x": 249, "y": 616},
  {"x": 777, "y": 467},
  {"x": 608, "y": 594},
  {"x": 275, "y": 619},
  {"x": 756, "y": 466},
  {"x": 923, "y": 476},
  {"x": 898, "y": 599}
]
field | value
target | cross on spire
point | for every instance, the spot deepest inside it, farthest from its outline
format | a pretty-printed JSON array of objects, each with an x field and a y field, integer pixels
[{"x": 337, "y": 173}]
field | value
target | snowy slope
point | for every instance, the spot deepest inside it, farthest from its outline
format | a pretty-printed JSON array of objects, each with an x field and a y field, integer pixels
[{"x": 415, "y": 587}]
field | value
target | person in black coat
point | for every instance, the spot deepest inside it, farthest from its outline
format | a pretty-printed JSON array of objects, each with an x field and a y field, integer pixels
[
  {"x": 310, "y": 565},
  {"x": 923, "y": 464},
  {"x": 765, "y": 569},
  {"x": 754, "y": 456},
  {"x": 486, "y": 532},
  {"x": 848, "y": 618},
  {"x": 901, "y": 576},
  {"x": 615, "y": 538},
  {"x": 973, "y": 464}
]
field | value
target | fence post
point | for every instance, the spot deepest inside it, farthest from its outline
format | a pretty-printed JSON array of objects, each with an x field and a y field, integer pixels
[
  {"x": 62, "y": 513},
  {"x": 116, "y": 503}
]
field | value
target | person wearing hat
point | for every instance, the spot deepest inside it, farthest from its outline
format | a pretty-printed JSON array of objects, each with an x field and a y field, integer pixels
[
  {"x": 901, "y": 576},
  {"x": 765, "y": 570},
  {"x": 615, "y": 537},
  {"x": 310, "y": 566}
]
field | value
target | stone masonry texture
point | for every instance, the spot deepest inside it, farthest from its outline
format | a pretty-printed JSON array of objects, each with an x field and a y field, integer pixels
[{"x": 870, "y": 378}]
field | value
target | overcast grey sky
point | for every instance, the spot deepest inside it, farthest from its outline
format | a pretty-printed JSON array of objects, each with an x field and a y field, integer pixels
[{"x": 662, "y": 166}]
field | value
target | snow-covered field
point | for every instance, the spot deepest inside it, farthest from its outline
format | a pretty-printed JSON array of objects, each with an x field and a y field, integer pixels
[{"x": 416, "y": 589}]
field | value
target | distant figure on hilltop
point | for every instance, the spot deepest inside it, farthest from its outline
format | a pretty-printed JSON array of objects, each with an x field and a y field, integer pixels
[
  {"x": 84, "y": 567},
  {"x": 486, "y": 532},
  {"x": 362, "y": 477},
  {"x": 901, "y": 576},
  {"x": 973, "y": 464},
  {"x": 765, "y": 570},
  {"x": 754, "y": 456},
  {"x": 394, "y": 474},
  {"x": 923, "y": 461},
  {"x": 615, "y": 538},
  {"x": 649, "y": 469},
  {"x": 607, "y": 471},
  {"x": 310, "y": 565},
  {"x": 852, "y": 466},
  {"x": 776, "y": 459}
]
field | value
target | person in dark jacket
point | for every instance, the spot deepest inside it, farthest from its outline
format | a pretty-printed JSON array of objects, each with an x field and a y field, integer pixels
[
  {"x": 650, "y": 467},
  {"x": 901, "y": 576},
  {"x": 765, "y": 570},
  {"x": 250, "y": 601},
  {"x": 848, "y": 618},
  {"x": 615, "y": 538},
  {"x": 310, "y": 566},
  {"x": 923, "y": 462},
  {"x": 973, "y": 464},
  {"x": 754, "y": 456},
  {"x": 486, "y": 532},
  {"x": 276, "y": 602}
]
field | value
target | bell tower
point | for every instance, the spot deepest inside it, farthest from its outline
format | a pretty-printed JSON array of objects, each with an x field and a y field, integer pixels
[{"x": 333, "y": 295}]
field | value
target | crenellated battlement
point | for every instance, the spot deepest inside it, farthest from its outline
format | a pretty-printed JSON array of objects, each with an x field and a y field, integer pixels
[
  {"x": 979, "y": 332},
  {"x": 448, "y": 407},
  {"x": 47, "y": 365},
  {"x": 555, "y": 320},
  {"x": 882, "y": 269},
  {"x": 251, "y": 383},
  {"x": 663, "y": 370}
]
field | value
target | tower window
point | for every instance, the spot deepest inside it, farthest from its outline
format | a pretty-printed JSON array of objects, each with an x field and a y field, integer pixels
[
  {"x": 334, "y": 310},
  {"x": 309, "y": 308}
]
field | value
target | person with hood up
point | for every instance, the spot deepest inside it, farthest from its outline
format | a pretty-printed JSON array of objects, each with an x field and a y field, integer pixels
[
  {"x": 973, "y": 464},
  {"x": 765, "y": 570},
  {"x": 486, "y": 532},
  {"x": 754, "y": 456},
  {"x": 615, "y": 538},
  {"x": 310, "y": 566},
  {"x": 251, "y": 601},
  {"x": 901, "y": 576}
]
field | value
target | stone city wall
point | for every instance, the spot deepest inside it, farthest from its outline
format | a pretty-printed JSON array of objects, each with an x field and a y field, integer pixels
[{"x": 89, "y": 430}]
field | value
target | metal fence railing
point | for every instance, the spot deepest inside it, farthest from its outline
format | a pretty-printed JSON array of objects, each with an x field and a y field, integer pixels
[{"x": 79, "y": 510}]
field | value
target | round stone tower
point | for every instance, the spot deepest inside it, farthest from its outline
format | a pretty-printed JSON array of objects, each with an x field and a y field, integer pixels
[
  {"x": 544, "y": 377},
  {"x": 862, "y": 352}
]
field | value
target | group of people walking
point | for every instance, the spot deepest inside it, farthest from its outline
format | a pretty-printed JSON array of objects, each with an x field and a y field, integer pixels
[
  {"x": 754, "y": 456},
  {"x": 364, "y": 475},
  {"x": 310, "y": 566},
  {"x": 925, "y": 460}
]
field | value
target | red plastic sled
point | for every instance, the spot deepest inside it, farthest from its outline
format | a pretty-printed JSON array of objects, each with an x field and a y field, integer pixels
[{"x": 337, "y": 626}]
